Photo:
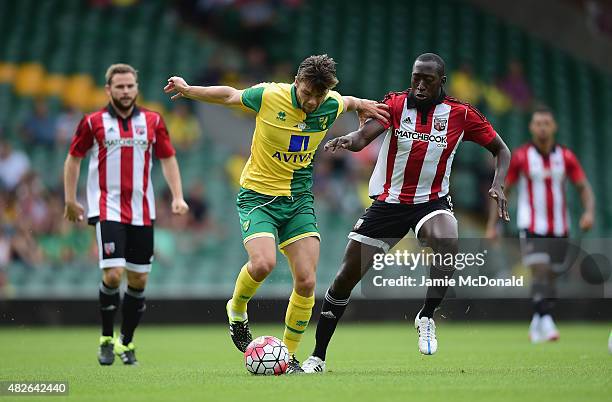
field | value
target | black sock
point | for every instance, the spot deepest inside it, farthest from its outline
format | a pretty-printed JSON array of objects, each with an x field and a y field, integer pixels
[
  {"x": 435, "y": 294},
  {"x": 543, "y": 297},
  {"x": 133, "y": 309},
  {"x": 109, "y": 304},
  {"x": 331, "y": 312}
]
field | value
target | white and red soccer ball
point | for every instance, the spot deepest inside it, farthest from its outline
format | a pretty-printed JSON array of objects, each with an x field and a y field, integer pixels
[{"x": 266, "y": 355}]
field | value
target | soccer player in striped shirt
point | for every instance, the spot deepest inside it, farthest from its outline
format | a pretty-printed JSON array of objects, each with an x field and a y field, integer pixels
[
  {"x": 540, "y": 169},
  {"x": 275, "y": 201},
  {"x": 120, "y": 141},
  {"x": 410, "y": 187}
]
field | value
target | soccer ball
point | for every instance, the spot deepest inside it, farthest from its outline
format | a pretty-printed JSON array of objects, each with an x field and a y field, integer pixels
[{"x": 266, "y": 355}]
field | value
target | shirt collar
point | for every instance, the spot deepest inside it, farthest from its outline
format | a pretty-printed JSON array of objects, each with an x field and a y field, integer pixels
[
  {"x": 294, "y": 99},
  {"x": 113, "y": 113}
]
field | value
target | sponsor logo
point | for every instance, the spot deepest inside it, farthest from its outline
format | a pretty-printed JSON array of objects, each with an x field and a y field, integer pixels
[
  {"x": 295, "y": 158},
  {"x": 297, "y": 143},
  {"x": 109, "y": 248},
  {"x": 439, "y": 140},
  {"x": 439, "y": 123},
  {"x": 127, "y": 142},
  {"x": 281, "y": 116},
  {"x": 407, "y": 120}
]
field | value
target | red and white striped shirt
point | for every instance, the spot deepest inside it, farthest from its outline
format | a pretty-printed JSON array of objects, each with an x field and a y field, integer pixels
[
  {"x": 119, "y": 184},
  {"x": 542, "y": 206},
  {"x": 414, "y": 162}
]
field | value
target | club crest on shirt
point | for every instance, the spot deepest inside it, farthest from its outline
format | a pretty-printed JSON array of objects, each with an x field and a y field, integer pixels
[
  {"x": 109, "y": 248},
  {"x": 139, "y": 130},
  {"x": 439, "y": 123}
]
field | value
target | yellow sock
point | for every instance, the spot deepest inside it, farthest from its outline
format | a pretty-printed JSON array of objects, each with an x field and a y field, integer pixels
[
  {"x": 245, "y": 288},
  {"x": 298, "y": 314}
]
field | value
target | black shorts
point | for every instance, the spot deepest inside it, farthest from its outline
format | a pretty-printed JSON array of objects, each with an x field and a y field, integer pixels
[
  {"x": 538, "y": 249},
  {"x": 123, "y": 245},
  {"x": 384, "y": 224}
]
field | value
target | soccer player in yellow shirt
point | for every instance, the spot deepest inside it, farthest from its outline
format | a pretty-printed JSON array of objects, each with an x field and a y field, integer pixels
[{"x": 275, "y": 201}]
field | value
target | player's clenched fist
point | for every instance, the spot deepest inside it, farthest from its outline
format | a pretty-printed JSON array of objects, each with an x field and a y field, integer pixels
[
  {"x": 179, "y": 207},
  {"x": 343, "y": 142},
  {"x": 178, "y": 85}
]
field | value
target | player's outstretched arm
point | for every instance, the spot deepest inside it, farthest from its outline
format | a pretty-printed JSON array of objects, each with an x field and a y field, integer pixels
[
  {"x": 357, "y": 140},
  {"x": 500, "y": 150},
  {"x": 222, "y": 95},
  {"x": 366, "y": 109},
  {"x": 73, "y": 211},
  {"x": 172, "y": 174}
]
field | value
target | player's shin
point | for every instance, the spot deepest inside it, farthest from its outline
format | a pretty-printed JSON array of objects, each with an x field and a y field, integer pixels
[
  {"x": 109, "y": 304},
  {"x": 245, "y": 289},
  {"x": 332, "y": 310},
  {"x": 435, "y": 294},
  {"x": 297, "y": 317},
  {"x": 133, "y": 309}
]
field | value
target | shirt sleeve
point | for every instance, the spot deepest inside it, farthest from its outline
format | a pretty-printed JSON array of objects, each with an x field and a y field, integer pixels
[
  {"x": 163, "y": 147},
  {"x": 573, "y": 168},
  {"x": 252, "y": 97},
  {"x": 389, "y": 100},
  {"x": 477, "y": 128},
  {"x": 83, "y": 139},
  {"x": 514, "y": 170},
  {"x": 340, "y": 101}
]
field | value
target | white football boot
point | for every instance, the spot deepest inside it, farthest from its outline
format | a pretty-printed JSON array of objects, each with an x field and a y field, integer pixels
[
  {"x": 548, "y": 329},
  {"x": 535, "y": 334},
  {"x": 313, "y": 365},
  {"x": 426, "y": 328}
]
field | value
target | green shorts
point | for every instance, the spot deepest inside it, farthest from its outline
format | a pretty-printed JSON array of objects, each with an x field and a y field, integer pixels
[{"x": 289, "y": 218}]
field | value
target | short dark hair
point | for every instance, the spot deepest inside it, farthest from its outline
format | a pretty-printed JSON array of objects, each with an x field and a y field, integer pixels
[
  {"x": 319, "y": 71},
  {"x": 119, "y": 68},
  {"x": 435, "y": 58},
  {"x": 542, "y": 108}
]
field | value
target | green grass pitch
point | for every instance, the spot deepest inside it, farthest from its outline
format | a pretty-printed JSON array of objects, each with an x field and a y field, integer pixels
[{"x": 366, "y": 362}]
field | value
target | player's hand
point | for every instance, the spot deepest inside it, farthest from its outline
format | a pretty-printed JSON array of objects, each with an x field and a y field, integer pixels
[
  {"x": 586, "y": 221},
  {"x": 497, "y": 193},
  {"x": 178, "y": 85},
  {"x": 491, "y": 233},
  {"x": 369, "y": 109},
  {"x": 179, "y": 207},
  {"x": 344, "y": 142},
  {"x": 73, "y": 211}
]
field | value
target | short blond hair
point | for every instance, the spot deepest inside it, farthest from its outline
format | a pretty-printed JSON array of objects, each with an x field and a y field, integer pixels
[{"x": 119, "y": 68}]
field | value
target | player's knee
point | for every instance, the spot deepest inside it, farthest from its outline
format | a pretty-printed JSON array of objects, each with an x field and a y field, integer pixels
[
  {"x": 112, "y": 277},
  {"x": 445, "y": 244},
  {"x": 305, "y": 285},
  {"x": 138, "y": 281},
  {"x": 261, "y": 266}
]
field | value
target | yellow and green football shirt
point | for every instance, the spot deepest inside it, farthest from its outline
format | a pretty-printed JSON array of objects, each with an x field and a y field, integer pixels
[{"x": 285, "y": 138}]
